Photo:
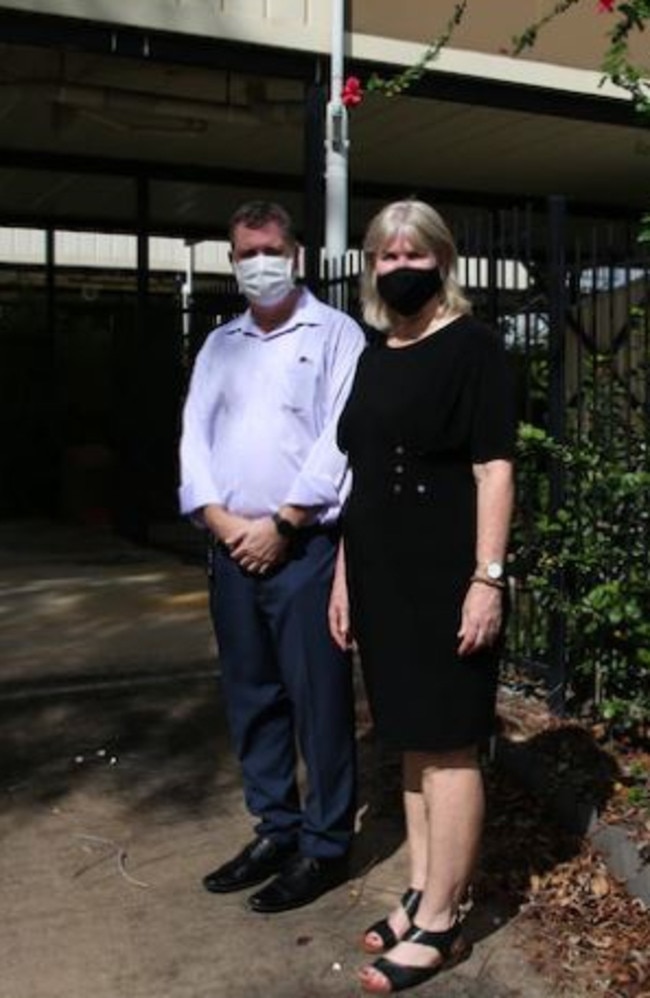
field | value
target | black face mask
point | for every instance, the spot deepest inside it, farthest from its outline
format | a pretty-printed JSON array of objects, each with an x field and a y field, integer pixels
[{"x": 407, "y": 289}]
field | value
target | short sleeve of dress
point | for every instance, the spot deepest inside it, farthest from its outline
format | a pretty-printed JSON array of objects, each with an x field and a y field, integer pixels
[
  {"x": 343, "y": 426},
  {"x": 493, "y": 425}
]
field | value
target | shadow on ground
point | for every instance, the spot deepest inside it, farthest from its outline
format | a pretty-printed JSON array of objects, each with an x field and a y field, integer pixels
[
  {"x": 155, "y": 744},
  {"x": 164, "y": 744},
  {"x": 567, "y": 768},
  {"x": 158, "y": 745}
]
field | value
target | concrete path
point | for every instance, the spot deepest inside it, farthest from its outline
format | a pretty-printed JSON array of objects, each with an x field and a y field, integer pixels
[{"x": 118, "y": 791}]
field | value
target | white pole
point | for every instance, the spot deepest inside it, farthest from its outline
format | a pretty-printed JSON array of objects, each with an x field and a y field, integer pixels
[{"x": 336, "y": 153}]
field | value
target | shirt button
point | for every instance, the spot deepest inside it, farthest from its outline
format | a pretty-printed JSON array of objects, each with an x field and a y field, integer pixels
[
  {"x": 397, "y": 488},
  {"x": 399, "y": 469},
  {"x": 399, "y": 449},
  {"x": 421, "y": 488}
]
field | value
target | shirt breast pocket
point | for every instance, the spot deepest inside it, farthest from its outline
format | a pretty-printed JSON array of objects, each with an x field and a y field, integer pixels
[{"x": 301, "y": 385}]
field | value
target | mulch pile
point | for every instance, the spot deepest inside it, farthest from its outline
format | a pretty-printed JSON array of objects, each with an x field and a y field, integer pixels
[{"x": 581, "y": 928}]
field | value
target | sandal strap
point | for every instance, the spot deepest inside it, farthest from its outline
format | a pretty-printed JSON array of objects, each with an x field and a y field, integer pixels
[
  {"x": 400, "y": 977},
  {"x": 410, "y": 901},
  {"x": 383, "y": 929},
  {"x": 442, "y": 941}
]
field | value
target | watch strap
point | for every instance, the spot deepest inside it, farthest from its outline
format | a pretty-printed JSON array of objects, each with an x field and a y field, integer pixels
[
  {"x": 285, "y": 527},
  {"x": 493, "y": 583}
]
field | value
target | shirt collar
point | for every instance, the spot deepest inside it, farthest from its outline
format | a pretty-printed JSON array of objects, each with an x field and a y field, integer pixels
[{"x": 306, "y": 313}]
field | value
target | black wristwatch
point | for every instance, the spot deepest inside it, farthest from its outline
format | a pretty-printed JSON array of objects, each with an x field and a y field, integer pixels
[{"x": 285, "y": 527}]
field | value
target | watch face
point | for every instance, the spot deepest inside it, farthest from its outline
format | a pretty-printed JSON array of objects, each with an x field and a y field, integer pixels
[{"x": 494, "y": 570}]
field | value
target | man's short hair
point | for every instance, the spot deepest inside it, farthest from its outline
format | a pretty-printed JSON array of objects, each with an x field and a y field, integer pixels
[{"x": 256, "y": 214}]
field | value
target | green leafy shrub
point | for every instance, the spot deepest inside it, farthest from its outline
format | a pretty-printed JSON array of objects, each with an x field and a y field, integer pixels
[{"x": 586, "y": 558}]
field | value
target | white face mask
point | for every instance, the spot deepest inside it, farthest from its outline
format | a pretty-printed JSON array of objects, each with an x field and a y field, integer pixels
[{"x": 263, "y": 279}]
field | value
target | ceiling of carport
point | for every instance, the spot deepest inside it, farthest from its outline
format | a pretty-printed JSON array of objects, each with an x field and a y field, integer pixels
[{"x": 212, "y": 138}]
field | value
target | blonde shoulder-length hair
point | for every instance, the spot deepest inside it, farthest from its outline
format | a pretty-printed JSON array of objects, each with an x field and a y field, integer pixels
[{"x": 427, "y": 232}]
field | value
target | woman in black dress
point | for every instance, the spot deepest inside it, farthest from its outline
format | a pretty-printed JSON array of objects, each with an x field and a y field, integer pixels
[{"x": 429, "y": 431}]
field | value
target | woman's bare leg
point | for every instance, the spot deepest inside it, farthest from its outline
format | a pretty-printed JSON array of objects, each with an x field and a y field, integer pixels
[
  {"x": 417, "y": 843},
  {"x": 454, "y": 793},
  {"x": 453, "y": 805}
]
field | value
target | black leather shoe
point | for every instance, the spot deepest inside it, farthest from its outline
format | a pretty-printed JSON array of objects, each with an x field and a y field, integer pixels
[
  {"x": 258, "y": 861},
  {"x": 303, "y": 879}
]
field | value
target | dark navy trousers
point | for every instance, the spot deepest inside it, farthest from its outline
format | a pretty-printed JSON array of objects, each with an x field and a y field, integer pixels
[{"x": 288, "y": 692}]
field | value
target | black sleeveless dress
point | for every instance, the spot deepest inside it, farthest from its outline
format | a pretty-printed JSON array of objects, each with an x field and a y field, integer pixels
[{"x": 416, "y": 420}]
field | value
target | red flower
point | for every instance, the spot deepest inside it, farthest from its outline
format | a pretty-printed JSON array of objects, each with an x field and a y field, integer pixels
[
  {"x": 352, "y": 93},
  {"x": 606, "y": 6}
]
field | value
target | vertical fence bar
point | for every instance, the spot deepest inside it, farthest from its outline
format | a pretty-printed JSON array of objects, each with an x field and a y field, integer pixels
[
  {"x": 557, "y": 426},
  {"x": 646, "y": 403},
  {"x": 314, "y": 191},
  {"x": 527, "y": 607},
  {"x": 134, "y": 474},
  {"x": 645, "y": 381},
  {"x": 493, "y": 259},
  {"x": 54, "y": 431}
]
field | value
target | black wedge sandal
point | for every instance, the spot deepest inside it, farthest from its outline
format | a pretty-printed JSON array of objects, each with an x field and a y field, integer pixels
[
  {"x": 410, "y": 902},
  {"x": 450, "y": 944}
]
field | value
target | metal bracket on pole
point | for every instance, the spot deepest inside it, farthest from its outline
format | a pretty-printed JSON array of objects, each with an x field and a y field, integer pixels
[
  {"x": 336, "y": 176},
  {"x": 337, "y": 127},
  {"x": 187, "y": 299}
]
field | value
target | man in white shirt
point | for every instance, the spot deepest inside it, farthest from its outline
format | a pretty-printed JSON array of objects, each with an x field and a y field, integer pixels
[{"x": 260, "y": 469}]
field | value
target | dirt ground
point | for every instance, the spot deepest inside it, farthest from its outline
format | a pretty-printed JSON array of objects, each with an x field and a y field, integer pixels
[{"x": 118, "y": 791}]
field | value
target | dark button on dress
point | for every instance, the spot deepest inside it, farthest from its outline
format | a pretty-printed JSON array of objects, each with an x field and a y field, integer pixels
[{"x": 416, "y": 420}]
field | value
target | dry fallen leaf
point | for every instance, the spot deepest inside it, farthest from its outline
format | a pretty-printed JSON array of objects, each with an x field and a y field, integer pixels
[{"x": 599, "y": 885}]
